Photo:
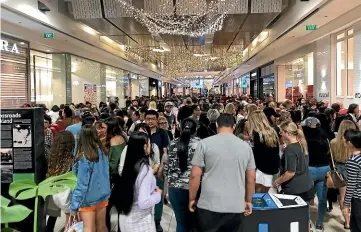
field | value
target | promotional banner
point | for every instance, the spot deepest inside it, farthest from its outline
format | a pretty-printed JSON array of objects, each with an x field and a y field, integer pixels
[{"x": 23, "y": 156}]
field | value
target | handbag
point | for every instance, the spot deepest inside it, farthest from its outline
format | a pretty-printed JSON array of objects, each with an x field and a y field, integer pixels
[
  {"x": 334, "y": 178},
  {"x": 62, "y": 200},
  {"x": 74, "y": 225}
]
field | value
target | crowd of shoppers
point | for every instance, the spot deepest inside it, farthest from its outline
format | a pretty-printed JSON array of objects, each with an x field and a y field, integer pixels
[{"x": 211, "y": 153}]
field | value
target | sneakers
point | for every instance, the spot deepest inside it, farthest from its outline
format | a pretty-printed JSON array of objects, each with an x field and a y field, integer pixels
[
  {"x": 158, "y": 227},
  {"x": 319, "y": 227}
]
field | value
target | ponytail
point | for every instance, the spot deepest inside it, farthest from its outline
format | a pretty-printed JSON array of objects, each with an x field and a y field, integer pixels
[
  {"x": 188, "y": 129},
  {"x": 182, "y": 148},
  {"x": 296, "y": 131},
  {"x": 302, "y": 140}
]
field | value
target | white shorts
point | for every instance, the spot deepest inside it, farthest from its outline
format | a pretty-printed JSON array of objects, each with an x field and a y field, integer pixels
[{"x": 264, "y": 179}]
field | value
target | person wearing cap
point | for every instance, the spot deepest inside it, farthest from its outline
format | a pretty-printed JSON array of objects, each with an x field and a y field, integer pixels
[
  {"x": 76, "y": 127},
  {"x": 168, "y": 114},
  {"x": 318, "y": 153}
]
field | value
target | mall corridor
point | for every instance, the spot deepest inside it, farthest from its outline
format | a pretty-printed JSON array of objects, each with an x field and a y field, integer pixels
[{"x": 180, "y": 115}]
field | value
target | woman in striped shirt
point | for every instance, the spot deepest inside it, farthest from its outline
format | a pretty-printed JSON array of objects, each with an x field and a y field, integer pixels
[{"x": 352, "y": 200}]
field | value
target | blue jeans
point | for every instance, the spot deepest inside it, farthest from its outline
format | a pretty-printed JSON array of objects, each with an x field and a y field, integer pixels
[
  {"x": 158, "y": 209},
  {"x": 318, "y": 175},
  {"x": 179, "y": 198}
]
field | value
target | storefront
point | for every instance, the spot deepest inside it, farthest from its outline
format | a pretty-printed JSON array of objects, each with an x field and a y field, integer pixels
[
  {"x": 267, "y": 81},
  {"x": 153, "y": 87},
  {"x": 243, "y": 84},
  {"x": 64, "y": 78},
  {"x": 305, "y": 72},
  {"x": 254, "y": 83},
  {"x": 14, "y": 72},
  {"x": 347, "y": 61},
  {"x": 134, "y": 85}
]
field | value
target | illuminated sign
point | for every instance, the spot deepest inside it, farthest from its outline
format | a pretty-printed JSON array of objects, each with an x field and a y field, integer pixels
[{"x": 4, "y": 46}]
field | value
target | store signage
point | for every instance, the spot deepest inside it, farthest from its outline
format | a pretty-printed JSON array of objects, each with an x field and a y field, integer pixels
[
  {"x": 311, "y": 27},
  {"x": 48, "y": 35},
  {"x": 324, "y": 94},
  {"x": 9, "y": 48}
]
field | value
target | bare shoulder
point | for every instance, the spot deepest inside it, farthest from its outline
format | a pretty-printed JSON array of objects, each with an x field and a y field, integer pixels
[{"x": 116, "y": 140}]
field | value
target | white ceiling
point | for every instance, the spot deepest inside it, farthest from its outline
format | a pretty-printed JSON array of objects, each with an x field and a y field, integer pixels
[
  {"x": 330, "y": 18},
  {"x": 20, "y": 19}
]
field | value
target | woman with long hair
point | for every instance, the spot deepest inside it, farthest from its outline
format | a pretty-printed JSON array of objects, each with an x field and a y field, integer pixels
[
  {"x": 265, "y": 150},
  {"x": 295, "y": 177},
  {"x": 340, "y": 156},
  {"x": 138, "y": 193},
  {"x": 177, "y": 169},
  {"x": 319, "y": 162},
  {"x": 203, "y": 130},
  {"x": 154, "y": 153},
  {"x": 242, "y": 130},
  {"x": 60, "y": 161},
  {"x": 91, "y": 194},
  {"x": 352, "y": 139},
  {"x": 115, "y": 144},
  {"x": 249, "y": 109}
]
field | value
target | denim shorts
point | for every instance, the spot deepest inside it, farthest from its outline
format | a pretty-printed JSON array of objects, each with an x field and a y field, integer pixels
[{"x": 341, "y": 168}]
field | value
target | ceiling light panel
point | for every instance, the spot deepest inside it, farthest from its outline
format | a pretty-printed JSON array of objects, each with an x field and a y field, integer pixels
[
  {"x": 113, "y": 9},
  {"x": 266, "y": 6},
  {"x": 87, "y": 9},
  {"x": 233, "y": 7},
  {"x": 161, "y": 7},
  {"x": 191, "y": 7}
]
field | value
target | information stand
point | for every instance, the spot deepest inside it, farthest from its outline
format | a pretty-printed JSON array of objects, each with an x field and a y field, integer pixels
[
  {"x": 277, "y": 213},
  {"x": 22, "y": 156}
]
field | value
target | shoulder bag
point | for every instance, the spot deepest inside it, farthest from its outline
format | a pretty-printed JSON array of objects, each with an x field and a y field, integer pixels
[{"x": 334, "y": 179}]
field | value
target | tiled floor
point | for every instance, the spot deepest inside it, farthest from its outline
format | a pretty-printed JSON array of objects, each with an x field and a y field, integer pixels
[{"x": 333, "y": 220}]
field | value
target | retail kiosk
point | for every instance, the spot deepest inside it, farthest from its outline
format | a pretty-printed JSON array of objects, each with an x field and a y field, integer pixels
[{"x": 277, "y": 213}]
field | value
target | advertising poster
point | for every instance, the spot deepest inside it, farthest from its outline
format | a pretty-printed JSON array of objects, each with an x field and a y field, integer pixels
[
  {"x": 90, "y": 93},
  {"x": 22, "y": 156},
  {"x": 16, "y": 144}
]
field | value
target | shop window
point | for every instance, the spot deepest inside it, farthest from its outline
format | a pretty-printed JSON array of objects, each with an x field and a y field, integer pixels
[
  {"x": 87, "y": 80},
  {"x": 344, "y": 63},
  {"x": 299, "y": 78},
  {"x": 48, "y": 78},
  {"x": 115, "y": 82}
]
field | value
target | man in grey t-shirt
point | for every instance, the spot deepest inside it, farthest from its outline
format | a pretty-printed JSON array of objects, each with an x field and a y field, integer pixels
[{"x": 228, "y": 181}]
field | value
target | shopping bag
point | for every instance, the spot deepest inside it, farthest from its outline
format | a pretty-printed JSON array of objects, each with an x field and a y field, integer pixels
[
  {"x": 62, "y": 200},
  {"x": 74, "y": 225}
]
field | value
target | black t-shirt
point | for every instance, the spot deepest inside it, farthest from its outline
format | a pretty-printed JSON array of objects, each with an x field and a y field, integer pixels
[
  {"x": 160, "y": 137},
  {"x": 294, "y": 160}
]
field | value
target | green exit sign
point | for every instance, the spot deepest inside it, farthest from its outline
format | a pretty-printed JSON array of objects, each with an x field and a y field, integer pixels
[
  {"x": 49, "y": 35},
  {"x": 311, "y": 27}
]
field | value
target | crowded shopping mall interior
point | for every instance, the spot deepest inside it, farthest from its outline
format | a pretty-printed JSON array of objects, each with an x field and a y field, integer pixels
[{"x": 180, "y": 115}]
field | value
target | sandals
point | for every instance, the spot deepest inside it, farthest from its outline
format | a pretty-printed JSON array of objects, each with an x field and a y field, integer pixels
[{"x": 345, "y": 227}]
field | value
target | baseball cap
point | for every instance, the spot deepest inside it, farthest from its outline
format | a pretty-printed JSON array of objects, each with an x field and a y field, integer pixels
[
  {"x": 168, "y": 104},
  {"x": 311, "y": 122},
  {"x": 268, "y": 111}
]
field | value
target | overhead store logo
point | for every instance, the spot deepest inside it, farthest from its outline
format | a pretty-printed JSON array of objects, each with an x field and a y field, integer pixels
[
  {"x": 5, "y": 47},
  {"x": 311, "y": 27}
]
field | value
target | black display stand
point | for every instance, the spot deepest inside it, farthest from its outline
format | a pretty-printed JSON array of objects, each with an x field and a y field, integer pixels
[
  {"x": 277, "y": 213},
  {"x": 23, "y": 157}
]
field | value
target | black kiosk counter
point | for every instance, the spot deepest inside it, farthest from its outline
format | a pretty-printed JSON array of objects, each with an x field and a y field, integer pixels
[{"x": 277, "y": 213}]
